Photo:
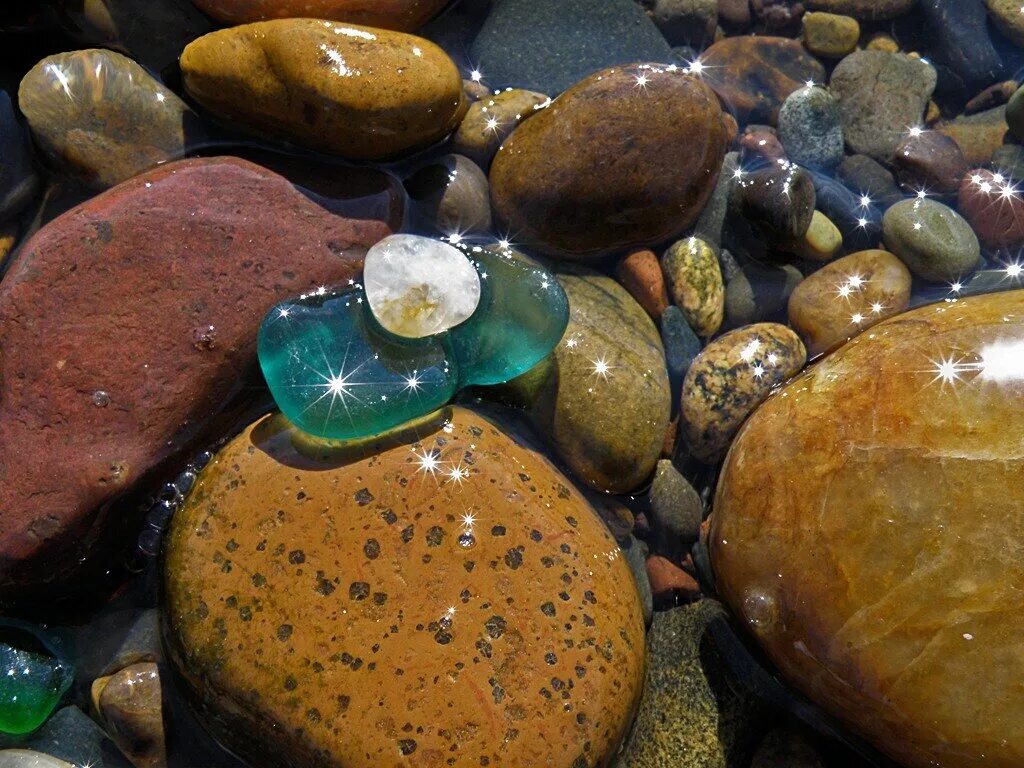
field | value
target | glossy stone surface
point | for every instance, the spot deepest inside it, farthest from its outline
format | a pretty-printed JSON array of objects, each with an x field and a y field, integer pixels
[
  {"x": 695, "y": 284},
  {"x": 130, "y": 704},
  {"x": 358, "y": 92},
  {"x": 27, "y": 758},
  {"x": 404, "y": 15},
  {"x": 451, "y": 579},
  {"x": 336, "y": 374},
  {"x": 640, "y": 273},
  {"x": 994, "y": 208},
  {"x": 173, "y": 359},
  {"x": 932, "y": 239},
  {"x": 450, "y": 196},
  {"x": 842, "y": 520},
  {"x": 32, "y": 680},
  {"x": 931, "y": 161},
  {"x": 417, "y": 286},
  {"x": 103, "y": 116},
  {"x": 489, "y": 121},
  {"x": 522, "y": 315}
]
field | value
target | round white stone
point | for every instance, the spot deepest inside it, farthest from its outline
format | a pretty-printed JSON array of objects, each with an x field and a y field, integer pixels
[{"x": 417, "y": 286}]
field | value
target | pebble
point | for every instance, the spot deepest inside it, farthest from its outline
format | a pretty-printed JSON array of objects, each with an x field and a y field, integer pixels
[
  {"x": 384, "y": 572},
  {"x": 734, "y": 12},
  {"x": 685, "y": 22},
  {"x": 931, "y": 161},
  {"x": 547, "y": 47},
  {"x": 857, "y": 216},
  {"x": 695, "y": 284},
  {"x": 18, "y": 179},
  {"x": 779, "y": 202},
  {"x": 979, "y": 135},
  {"x": 830, "y": 35},
  {"x": 359, "y": 92},
  {"x": 403, "y": 15},
  {"x": 755, "y": 74},
  {"x": 676, "y": 511},
  {"x": 25, "y": 758},
  {"x": 880, "y": 96},
  {"x": 605, "y": 402},
  {"x": 959, "y": 45},
  {"x": 730, "y": 378},
  {"x": 993, "y": 96},
  {"x": 847, "y": 297},
  {"x": 450, "y": 195},
  {"x": 810, "y": 129},
  {"x": 1008, "y": 19},
  {"x": 866, "y": 176},
  {"x": 681, "y": 347},
  {"x": 670, "y": 584},
  {"x": 640, "y": 274},
  {"x": 759, "y": 292},
  {"x": 911, "y": 431},
  {"x": 491, "y": 119},
  {"x": 867, "y": 10},
  {"x": 932, "y": 239},
  {"x": 552, "y": 183},
  {"x": 130, "y": 704},
  {"x": 880, "y": 41},
  {"x": 822, "y": 240},
  {"x": 994, "y": 208},
  {"x": 760, "y": 145},
  {"x": 777, "y": 14},
  {"x": 102, "y": 116}
]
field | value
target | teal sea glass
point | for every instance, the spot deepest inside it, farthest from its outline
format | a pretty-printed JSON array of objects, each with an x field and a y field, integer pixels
[
  {"x": 335, "y": 373},
  {"x": 522, "y": 315},
  {"x": 32, "y": 681}
]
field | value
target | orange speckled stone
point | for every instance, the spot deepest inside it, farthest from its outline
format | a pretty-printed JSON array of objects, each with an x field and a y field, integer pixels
[
  {"x": 352, "y": 609},
  {"x": 868, "y": 528},
  {"x": 404, "y": 15}
]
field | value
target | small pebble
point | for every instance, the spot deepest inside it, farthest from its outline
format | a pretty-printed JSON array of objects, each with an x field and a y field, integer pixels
[
  {"x": 695, "y": 284},
  {"x": 641, "y": 275},
  {"x": 993, "y": 205},
  {"x": 830, "y": 35},
  {"x": 450, "y": 196},
  {"x": 931, "y": 161}
]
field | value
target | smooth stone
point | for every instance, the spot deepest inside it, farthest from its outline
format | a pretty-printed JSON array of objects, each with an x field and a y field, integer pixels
[
  {"x": 931, "y": 161},
  {"x": 1009, "y": 161},
  {"x": 130, "y": 704},
  {"x": 1008, "y": 19},
  {"x": 993, "y": 207},
  {"x": 822, "y": 240},
  {"x": 402, "y": 15},
  {"x": 868, "y": 10},
  {"x": 491, "y": 119},
  {"x": 384, "y": 588},
  {"x": 640, "y": 274},
  {"x": 522, "y": 315},
  {"x": 932, "y": 239},
  {"x": 104, "y": 117},
  {"x": 18, "y": 178},
  {"x": 730, "y": 378},
  {"x": 676, "y": 511},
  {"x": 777, "y": 14},
  {"x": 857, "y": 217},
  {"x": 866, "y": 176},
  {"x": 685, "y": 22},
  {"x": 778, "y": 201},
  {"x": 359, "y": 92},
  {"x": 692, "y": 714},
  {"x": 753, "y": 75},
  {"x": 114, "y": 388},
  {"x": 759, "y": 292},
  {"x": 994, "y": 96},
  {"x": 670, "y": 584},
  {"x": 604, "y": 403},
  {"x": 450, "y": 195},
  {"x": 1015, "y": 114},
  {"x": 681, "y": 348},
  {"x": 552, "y": 184},
  {"x": 810, "y": 128},
  {"x": 846, "y": 297},
  {"x": 959, "y": 44},
  {"x": 841, "y": 520},
  {"x": 634, "y": 553},
  {"x": 26, "y": 758},
  {"x": 33, "y": 679},
  {"x": 760, "y": 146},
  {"x": 783, "y": 748},
  {"x": 830, "y": 35},
  {"x": 979, "y": 135},
  {"x": 695, "y": 284},
  {"x": 548, "y": 47},
  {"x": 73, "y": 736},
  {"x": 880, "y": 96}
]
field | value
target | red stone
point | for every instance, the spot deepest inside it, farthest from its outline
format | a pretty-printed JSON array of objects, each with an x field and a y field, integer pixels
[
  {"x": 994, "y": 207},
  {"x": 640, "y": 274},
  {"x": 126, "y": 326},
  {"x": 670, "y": 584},
  {"x": 760, "y": 143}
]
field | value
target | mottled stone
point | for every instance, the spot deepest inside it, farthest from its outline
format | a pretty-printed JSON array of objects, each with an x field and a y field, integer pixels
[
  {"x": 450, "y": 195},
  {"x": 388, "y": 610},
  {"x": 1008, "y": 18},
  {"x": 627, "y": 157},
  {"x": 695, "y": 284},
  {"x": 870, "y": 10},
  {"x": 846, "y": 297},
  {"x": 980, "y": 135},
  {"x": 880, "y": 96},
  {"x": 754, "y": 74},
  {"x": 842, "y": 518},
  {"x": 994, "y": 208},
  {"x": 491, "y": 119},
  {"x": 114, "y": 389},
  {"x": 810, "y": 128},
  {"x": 130, "y": 704},
  {"x": 103, "y": 116},
  {"x": 931, "y": 161},
  {"x": 730, "y": 378},
  {"x": 932, "y": 239},
  {"x": 640, "y": 274},
  {"x": 359, "y": 92},
  {"x": 676, "y": 511},
  {"x": 605, "y": 402},
  {"x": 404, "y": 15},
  {"x": 830, "y": 35}
]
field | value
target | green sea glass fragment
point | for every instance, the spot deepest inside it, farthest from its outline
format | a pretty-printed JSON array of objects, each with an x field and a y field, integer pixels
[
  {"x": 522, "y": 315},
  {"x": 32, "y": 681},
  {"x": 335, "y": 373}
]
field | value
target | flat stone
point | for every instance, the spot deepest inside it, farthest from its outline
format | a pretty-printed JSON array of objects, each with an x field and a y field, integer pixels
[
  {"x": 695, "y": 283},
  {"x": 359, "y": 92},
  {"x": 869, "y": 10},
  {"x": 130, "y": 704},
  {"x": 810, "y": 128},
  {"x": 403, "y": 15},
  {"x": 103, "y": 116},
  {"x": 933, "y": 240},
  {"x": 450, "y": 195},
  {"x": 547, "y": 47},
  {"x": 462, "y": 606},
  {"x": 115, "y": 387},
  {"x": 491, "y": 119},
  {"x": 552, "y": 184},
  {"x": 846, "y": 297},
  {"x": 994, "y": 208},
  {"x": 841, "y": 521}
]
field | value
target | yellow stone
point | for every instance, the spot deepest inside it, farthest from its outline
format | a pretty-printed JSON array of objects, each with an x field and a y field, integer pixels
[
  {"x": 830, "y": 35},
  {"x": 822, "y": 240}
]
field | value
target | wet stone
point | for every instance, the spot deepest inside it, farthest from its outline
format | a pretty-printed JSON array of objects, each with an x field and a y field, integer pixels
[
  {"x": 759, "y": 292},
  {"x": 405, "y": 15},
  {"x": 695, "y": 284},
  {"x": 992, "y": 204},
  {"x": 779, "y": 202},
  {"x": 491, "y": 119},
  {"x": 450, "y": 196},
  {"x": 640, "y": 274},
  {"x": 933, "y": 240},
  {"x": 130, "y": 704},
  {"x": 830, "y": 35},
  {"x": 931, "y": 161},
  {"x": 810, "y": 129}
]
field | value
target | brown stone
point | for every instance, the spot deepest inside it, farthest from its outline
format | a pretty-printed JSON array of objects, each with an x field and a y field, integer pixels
[
  {"x": 450, "y": 196},
  {"x": 994, "y": 96},
  {"x": 404, "y": 15},
  {"x": 830, "y": 34},
  {"x": 670, "y": 584},
  {"x": 871, "y": 10},
  {"x": 846, "y": 297},
  {"x": 126, "y": 325},
  {"x": 735, "y": 12},
  {"x": 867, "y": 527},
  {"x": 640, "y": 274},
  {"x": 777, "y": 14},
  {"x": 491, "y": 119},
  {"x": 753, "y": 75},
  {"x": 130, "y": 705},
  {"x": 627, "y": 157},
  {"x": 359, "y": 92},
  {"x": 931, "y": 161},
  {"x": 978, "y": 135},
  {"x": 376, "y": 614},
  {"x": 761, "y": 143},
  {"x": 994, "y": 208}
]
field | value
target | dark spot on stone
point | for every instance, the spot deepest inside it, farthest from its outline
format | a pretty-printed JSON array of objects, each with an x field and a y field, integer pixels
[
  {"x": 498, "y": 693},
  {"x": 580, "y": 671},
  {"x": 389, "y": 517},
  {"x": 441, "y": 637},
  {"x": 284, "y": 632},
  {"x": 566, "y": 549},
  {"x": 580, "y": 762},
  {"x": 202, "y": 610},
  {"x": 407, "y": 534},
  {"x": 435, "y": 536},
  {"x": 513, "y": 558},
  {"x": 313, "y": 715},
  {"x": 498, "y": 530},
  {"x": 296, "y": 557},
  {"x": 379, "y": 598},
  {"x": 104, "y": 231},
  {"x": 259, "y": 580},
  {"x": 407, "y": 746},
  {"x": 550, "y": 658},
  {"x": 589, "y": 597},
  {"x": 359, "y": 590},
  {"x": 547, "y": 562},
  {"x": 290, "y": 683},
  {"x": 495, "y": 626},
  {"x": 571, "y": 521},
  {"x": 557, "y": 684},
  {"x": 581, "y": 718},
  {"x": 343, "y": 702},
  {"x": 231, "y": 546},
  {"x": 231, "y": 602},
  {"x": 300, "y": 495},
  {"x": 363, "y": 497},
  {"x": 524, "y": 477},
  {"x": 469, "y": 565},
  {"x": 536, "y": 535},
  {"x": 245, "y": 613},
  {"x": 548, "y": 609},
  {"x": 564, "y": 595},
  {"x": 484, "y": 647},
  {"x": 323, "y": 586},
  {"x": 371, "y": 549}
]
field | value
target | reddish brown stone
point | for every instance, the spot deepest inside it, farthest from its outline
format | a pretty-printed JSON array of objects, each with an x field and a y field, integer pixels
[
  {"x": 777, "y": 14},
  {"x": 992, "y": 97},
  {"x": 760, "y": 142},
  {"x": 640, "y": 274},
  {"x": 753, "y": 75},
  {"x": 102, "y": 379},
  {"x": 735, "y": 12},
  {"x": 402, "y": 15},
  {"x": 931, "y": 161},
  {"x": 670, "y": 584},
  {"x": 994, "y": 207}
]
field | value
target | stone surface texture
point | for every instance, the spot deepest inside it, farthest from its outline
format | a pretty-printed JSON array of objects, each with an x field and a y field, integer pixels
[{"x": 403, "y": 15}]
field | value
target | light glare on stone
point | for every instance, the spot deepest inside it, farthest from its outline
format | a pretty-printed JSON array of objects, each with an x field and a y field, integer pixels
[{"x": 417, "y": 286}]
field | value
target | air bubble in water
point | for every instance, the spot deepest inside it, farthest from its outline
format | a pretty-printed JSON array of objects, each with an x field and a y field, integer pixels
[{"x": 100, "y": 398}]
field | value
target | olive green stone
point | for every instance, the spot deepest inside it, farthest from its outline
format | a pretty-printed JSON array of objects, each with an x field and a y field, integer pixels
[
  {"x": 933, "y": 240},
  {"x": 695, "y": 284}
]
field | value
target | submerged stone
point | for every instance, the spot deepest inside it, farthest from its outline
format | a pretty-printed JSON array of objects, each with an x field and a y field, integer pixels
[
  {"x": 388, "y": 14},
  {"x": 27, "y": 758},
  {"x": 32, "y": 680}
]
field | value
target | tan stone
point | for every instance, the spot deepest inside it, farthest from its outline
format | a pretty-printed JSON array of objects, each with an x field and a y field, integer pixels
[
  {"x": 130, "y": 704},
  {"x": 377, "y": 612},
  {"x": 867, "y": 531},
  {"x": 403, "y": 15},
  {"x": 491, "y": 119},
  {"x": 822, "y": 240},
  {"x": 695, "y": 283},
  {"x": 355, "y": 91},
  {"x": 830, "y": 35}
]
